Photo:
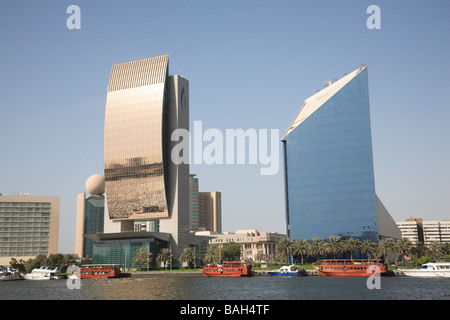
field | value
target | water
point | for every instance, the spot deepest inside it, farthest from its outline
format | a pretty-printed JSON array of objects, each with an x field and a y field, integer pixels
[{"x": 197, "y": 287}]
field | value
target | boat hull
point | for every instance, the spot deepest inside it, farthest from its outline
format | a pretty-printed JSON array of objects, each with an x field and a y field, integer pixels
[
  {"x": 286, "y": 274},
  {"x": 344, "y": 268},
  {"x": 227, "y": 270},
  {"x": 425, "y": 274}
]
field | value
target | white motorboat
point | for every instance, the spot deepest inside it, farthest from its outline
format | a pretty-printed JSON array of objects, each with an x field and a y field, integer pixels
[
  {"x": 44, "y": 273},
  {"x": 285, "y": 271},
  {"x": 432, "y": 269}
]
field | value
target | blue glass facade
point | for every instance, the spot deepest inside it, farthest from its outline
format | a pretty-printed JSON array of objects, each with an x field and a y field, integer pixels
[
  {"x": 93, "y": 220},
  {"x": 123, "y": 252},
  {"x": 329, "y": 176}
]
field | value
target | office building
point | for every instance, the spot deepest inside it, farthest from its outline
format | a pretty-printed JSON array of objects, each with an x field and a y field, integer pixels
[
  {"x": 210, "y": 205},
  {"x": 90, "y": 215},
  {"x": 205, "y": 208},
  {"x": 144, "y": 106},
  {"x": 29, "y": 226},
  {"x": 425, "y": 231},
  {"x": 411, "y": 229},
  {"x": 328, "y": 162}
]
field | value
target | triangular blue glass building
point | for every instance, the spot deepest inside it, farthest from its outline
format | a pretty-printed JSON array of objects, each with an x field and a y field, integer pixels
[{"x": 328, "y": 166}]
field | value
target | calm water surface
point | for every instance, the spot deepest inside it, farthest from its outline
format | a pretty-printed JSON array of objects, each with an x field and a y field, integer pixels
[{"x": 197, "y": 287}]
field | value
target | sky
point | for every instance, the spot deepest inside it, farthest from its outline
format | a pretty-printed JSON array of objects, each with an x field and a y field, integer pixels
[{"x": 250, "y": 65}]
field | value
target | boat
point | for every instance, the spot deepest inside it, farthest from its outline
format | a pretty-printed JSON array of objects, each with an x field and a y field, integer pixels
[
  {"x": 44, "y": 273},
  {"x": 227, "y": 269},
  {"x": 350, "y": 268},
  {"x": 285, "y": 271},
  {"x": 432, "y": 269},
  {"x": 98, "y": 271},
  {"x": 10, "y": 274}
]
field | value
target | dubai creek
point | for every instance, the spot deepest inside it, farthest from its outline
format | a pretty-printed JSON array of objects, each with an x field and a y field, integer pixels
[{"x": 198, "y": 287}]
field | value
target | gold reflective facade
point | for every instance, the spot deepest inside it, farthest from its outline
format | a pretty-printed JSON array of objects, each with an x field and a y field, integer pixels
[{"x": 136, "y": 139}]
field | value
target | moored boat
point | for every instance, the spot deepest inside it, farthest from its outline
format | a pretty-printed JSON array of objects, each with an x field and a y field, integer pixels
[
  {"x": 227, "y": 269},
  {"x": 44, "y": 273},
  {"x": 350, "y": 268},
  {"x": 9, "y": 274},
  {"x": 432, "y": 269},
  {"x": 97, "y": 271},
  {"x": 285, "y": 271}
]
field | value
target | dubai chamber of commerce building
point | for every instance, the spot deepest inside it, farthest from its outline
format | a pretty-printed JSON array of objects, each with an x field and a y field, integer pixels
[{"x": 329, "y": 172}]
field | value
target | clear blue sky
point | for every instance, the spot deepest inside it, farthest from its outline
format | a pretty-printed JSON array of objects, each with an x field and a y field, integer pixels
[{"x": 250, "y": 64}]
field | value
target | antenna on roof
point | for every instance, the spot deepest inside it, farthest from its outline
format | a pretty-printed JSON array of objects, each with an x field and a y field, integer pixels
[{"x": 329, "y": 82}]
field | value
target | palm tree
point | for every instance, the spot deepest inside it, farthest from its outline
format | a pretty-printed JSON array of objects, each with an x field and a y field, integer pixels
[
  {"x": 284, "y": 249},
  {"x": 300, "y": 247},
  {"x": 211, "y": 253},
  {"x": 164, "y": 256},
  {"x": 187, "y": 256},
  {"x": 367, "y": 246},
  {"x": 385, "y": 248},
  {"x": 334, "y": 245},
  {"x": 142, "y": 256},
  {"x": 435, "y": 249},
  {"x": 317, "y": 247},
  {"x": 351, "y": 245},
  {"x": 403, "y": 248}
]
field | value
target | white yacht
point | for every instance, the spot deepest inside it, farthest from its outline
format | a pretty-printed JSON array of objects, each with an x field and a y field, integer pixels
[
  {"x": 431, "y": 269},
  {"x": 44, "y": 273}
]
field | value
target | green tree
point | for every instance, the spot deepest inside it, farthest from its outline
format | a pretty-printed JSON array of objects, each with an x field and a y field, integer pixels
[
  {"x": 142, "y": 257},
  {"x": 211, "y": 253},
  {"x": 368, "y": 246},
  {"x": 351, "y": 245},
  {"x": 231, "y": 251},
  {"x": 435, "y": 249},
  {"x": 385, "y": 248},
  {"x": 317, "y": 247},
  {"x": 283, "y": 249},
  {"x": 187, "y": 256},
  {"x": 31, "y": 264},
  {"x": 54, "y": 259},
  {"x": 334, "y": 245},
  {"x": 403, "y": 248},
  {"x": 164, "y": 256},
  {"x": 300, "y": 247}
]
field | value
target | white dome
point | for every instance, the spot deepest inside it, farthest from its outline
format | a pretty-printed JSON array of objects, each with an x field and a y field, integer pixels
[{"x": 95, "y": 184}]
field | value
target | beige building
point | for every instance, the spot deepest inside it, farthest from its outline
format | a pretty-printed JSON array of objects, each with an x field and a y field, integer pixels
[
  {"x": 29, "y": 226},
  {"x": 417, "y": 230},
  {"x": 210, "y": 211},
  {"x": 256, "y": 246}
]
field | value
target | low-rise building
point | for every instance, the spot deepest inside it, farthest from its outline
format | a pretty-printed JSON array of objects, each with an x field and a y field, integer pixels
[{"x": 256, "y": 246}]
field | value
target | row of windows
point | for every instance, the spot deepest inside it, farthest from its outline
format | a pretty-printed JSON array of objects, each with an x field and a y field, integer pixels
[
  {"x": 26, "y": 224},
  {"x": 24, "y": 219},
  {"x": 24, "y": 253},
  {"x": 25, "y": 204},
  {"x": 24, "y": 211}
]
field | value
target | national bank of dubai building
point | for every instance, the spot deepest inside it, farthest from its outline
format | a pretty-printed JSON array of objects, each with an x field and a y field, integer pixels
[
  {"x": 144, "y": 106},
  {"x": 329, "y": 174}
]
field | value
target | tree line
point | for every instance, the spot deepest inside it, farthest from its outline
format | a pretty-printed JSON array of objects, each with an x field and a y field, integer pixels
[{"x": 336, "y": 247}]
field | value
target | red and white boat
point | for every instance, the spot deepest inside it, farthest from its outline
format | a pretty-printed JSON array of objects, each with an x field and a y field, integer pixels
[
  {"x": 350, "y": 268},
  {"x": 228, "y": 269},
  {"x": 98, "y": 271}
]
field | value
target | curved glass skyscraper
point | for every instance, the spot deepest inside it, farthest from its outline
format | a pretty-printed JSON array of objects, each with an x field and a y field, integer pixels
[
  {"x": 136, "y": 139},
  {"x": 329, "y": 175}
]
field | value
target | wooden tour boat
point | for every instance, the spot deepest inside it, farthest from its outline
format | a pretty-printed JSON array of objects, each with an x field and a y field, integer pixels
[
  {"x": 99, "y": 271},
  {"x": 350, "y": 268},
  {"x": 228, "y": 269}
]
